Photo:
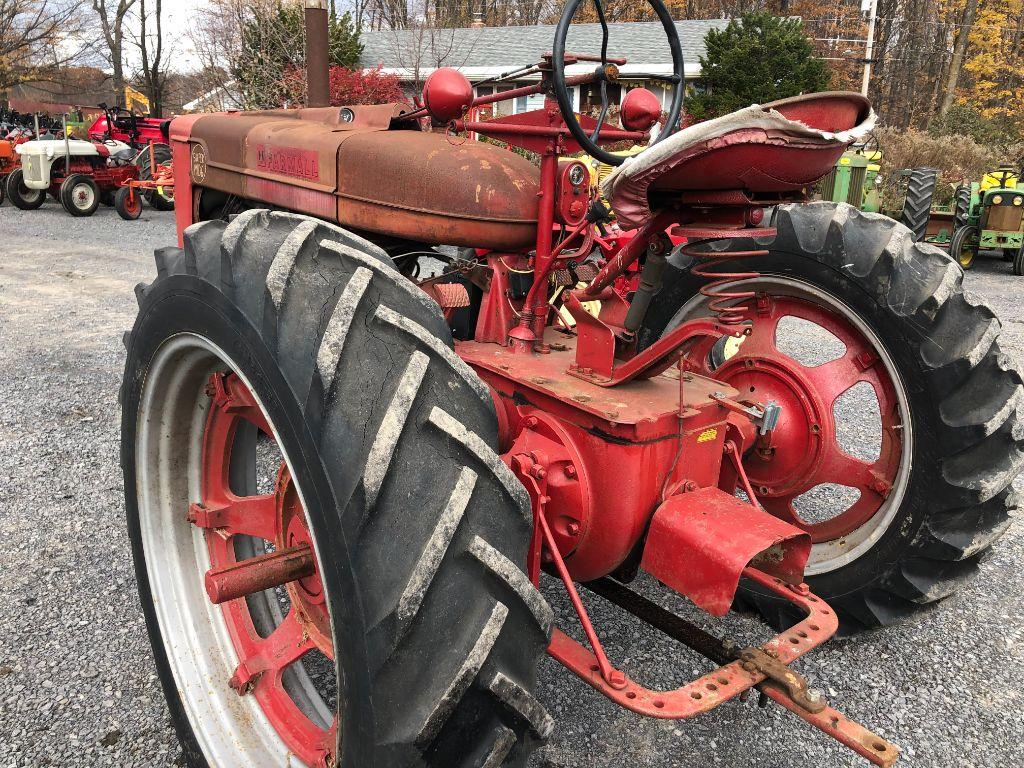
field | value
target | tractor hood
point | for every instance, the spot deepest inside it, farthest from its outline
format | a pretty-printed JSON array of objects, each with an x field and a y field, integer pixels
[
  {"x": 77, "y": 147},
  {"x": 365, "y": 169}
]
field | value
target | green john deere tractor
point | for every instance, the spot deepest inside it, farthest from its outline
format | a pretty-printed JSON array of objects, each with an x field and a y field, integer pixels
[
  {"x": 856, "y": 179},
  {"x": 989, "y": 216}
]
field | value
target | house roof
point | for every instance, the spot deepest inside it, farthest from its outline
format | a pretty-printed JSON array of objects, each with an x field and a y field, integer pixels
[{"x": 488, "y": 50}]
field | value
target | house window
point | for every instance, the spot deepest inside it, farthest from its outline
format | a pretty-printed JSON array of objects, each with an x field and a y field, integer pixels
[{"x": 536, "y": 101}]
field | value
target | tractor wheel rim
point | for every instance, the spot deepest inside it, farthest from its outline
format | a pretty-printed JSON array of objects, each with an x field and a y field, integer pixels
[
  {"x": 814, "y": 457},
  {"x": 238, "y": 666},
  {"x": 83, "y": 197}
]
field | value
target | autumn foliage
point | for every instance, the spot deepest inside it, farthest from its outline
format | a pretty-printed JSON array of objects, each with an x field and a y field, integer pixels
[
  {"x": 369, "y": 86},
  {"x": 348, "y": 86}
]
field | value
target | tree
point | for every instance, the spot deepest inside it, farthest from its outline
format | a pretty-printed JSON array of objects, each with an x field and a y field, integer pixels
[
  {"x": 272, "y": 44},
  {"x": 112, "y": 18},
  {"x": 30, "y": 31},
  {"x": 959, "y": 49},
  {"x": 995, "y": 63},
  {"x": 151, "y": 51},
  {"x": 756, "y": 59}
]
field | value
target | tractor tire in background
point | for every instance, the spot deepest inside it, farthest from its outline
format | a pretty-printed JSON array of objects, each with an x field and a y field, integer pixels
[
  {"x": 298, "y": 330},
  {"x": 961, "y": 207},
  {"x": 3, "y": 190},
  {"x": 1018, "y": 263},
  {"x": 128, "y": 205},
  {"x": 107, "y": 197},
  {"x": 162, "y": 154},
  {"x": 917, "y": 204},
  {"x": 938, "y": 494},
  {"x": 21, "y": 196},
  {"x": 79, "y": 195},
  {"x": 962, "y": 247}
]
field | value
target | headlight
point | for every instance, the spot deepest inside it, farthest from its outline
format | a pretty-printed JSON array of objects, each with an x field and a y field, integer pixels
[
  {"x": 1018, "y": 200},
  {"x": 997, "y": 200}
]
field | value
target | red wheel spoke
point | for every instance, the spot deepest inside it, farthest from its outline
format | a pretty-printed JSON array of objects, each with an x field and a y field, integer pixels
[
  {"x": 761, "y": 341},
  {"x": 782, "y": 508},
  {"x": 833, "y": 378},
  {"x": 237, "y": 515},
  {"x": 233, "y": 397},
  {"x": 284, "y": 646},
  {"x": 842, "y": 469}
]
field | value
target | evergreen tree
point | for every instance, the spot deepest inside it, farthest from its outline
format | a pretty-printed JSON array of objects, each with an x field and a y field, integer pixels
[
  {"x": 756, "y": 59},
  {"x": 273, "y": 48}
]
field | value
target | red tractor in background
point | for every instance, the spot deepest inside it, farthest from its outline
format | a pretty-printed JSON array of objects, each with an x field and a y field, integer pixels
[
  {"x": 81, "y": 174},
  {"x": 340, "y": 514}
]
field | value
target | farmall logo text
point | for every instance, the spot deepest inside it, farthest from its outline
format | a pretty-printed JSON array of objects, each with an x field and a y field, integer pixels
[{"x": 288, "y": 161}]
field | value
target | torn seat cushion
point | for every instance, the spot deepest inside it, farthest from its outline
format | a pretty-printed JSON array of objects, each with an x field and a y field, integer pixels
[{"x": 756, "y": 149}]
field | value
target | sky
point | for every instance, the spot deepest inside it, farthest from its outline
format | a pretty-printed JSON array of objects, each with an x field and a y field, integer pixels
[{"x": 176, "y": 28}]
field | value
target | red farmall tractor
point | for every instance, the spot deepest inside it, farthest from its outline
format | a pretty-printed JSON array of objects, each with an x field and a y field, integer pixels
[{"x": 340, "y": 515}]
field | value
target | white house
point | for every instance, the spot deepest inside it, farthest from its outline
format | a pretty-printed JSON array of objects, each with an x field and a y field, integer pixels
[{"x": 483, "y": 53}]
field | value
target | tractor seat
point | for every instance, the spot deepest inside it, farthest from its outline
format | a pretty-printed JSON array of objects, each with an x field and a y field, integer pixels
[
  {"x": 124, "y": 156},
  {"x": 762, "y": 151}
]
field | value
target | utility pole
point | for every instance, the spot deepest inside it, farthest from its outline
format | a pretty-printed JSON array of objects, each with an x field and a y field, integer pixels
[
  {"x": 318, "y": 77},
  {"x": 869, "y": 51}
]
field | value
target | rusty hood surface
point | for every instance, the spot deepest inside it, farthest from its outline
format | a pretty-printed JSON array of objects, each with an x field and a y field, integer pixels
[{"x": 358, "y": 167}]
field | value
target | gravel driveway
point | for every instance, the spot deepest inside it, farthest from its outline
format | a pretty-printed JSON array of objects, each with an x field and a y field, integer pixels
[{"x": 77, "y": 684}]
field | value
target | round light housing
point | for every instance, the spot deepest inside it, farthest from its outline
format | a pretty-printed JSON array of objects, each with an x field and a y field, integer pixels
[
  {"x": 447, "y": 94},
  {"x": 1018, "y": 200},
  {"x": 997, "y": 200},
  {"x": 640, "y": 110}
]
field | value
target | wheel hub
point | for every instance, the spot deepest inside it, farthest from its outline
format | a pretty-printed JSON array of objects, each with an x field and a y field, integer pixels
[
  {"x": 292, "y": 530},
  {"x": 806, "y": 449},
  {"x": 794, "y": 448}
]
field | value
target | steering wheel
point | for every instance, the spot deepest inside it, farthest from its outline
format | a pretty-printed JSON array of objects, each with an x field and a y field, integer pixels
[{"x": 607, "y": 72}]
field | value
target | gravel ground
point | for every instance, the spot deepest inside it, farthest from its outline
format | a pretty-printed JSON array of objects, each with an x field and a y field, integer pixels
[{"x": 77, "y": 684}]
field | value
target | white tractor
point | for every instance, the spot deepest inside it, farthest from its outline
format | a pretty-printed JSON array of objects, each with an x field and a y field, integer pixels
[{"x": 81, "y": 174}]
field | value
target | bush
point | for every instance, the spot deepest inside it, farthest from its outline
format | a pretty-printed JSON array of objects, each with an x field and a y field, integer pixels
[
  {"x": 964, "y": 120},
  {"x": 958, "y": 158},
  {"x": 348, "y": 86},
  {"x": 367, "y": 86}
]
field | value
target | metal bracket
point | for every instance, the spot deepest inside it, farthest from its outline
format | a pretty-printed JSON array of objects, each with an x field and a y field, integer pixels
[
  {"x": 765, "y": 417},
  {"x": 795, "y": 684}
]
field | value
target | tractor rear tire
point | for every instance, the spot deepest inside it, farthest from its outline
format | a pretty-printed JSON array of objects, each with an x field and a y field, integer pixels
[
  {"x": 391, "y": 438},
  {"x": 3, "y": 190},
  {"x": 21, "y": 196},
  {"x": 1018, "y": 263},
  {"x": 959, "y": 250},
  {"x": 917, "y": 204},
  {"x": 961, "y": 390},
  {"x": 79, "y": 195},
  {"x": 128, "y": 205},
  {"x": 162, "y": 154}
]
